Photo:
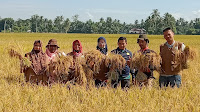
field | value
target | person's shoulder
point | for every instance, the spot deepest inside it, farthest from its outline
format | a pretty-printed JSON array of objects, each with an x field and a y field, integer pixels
[
  {"x": 179, "y": 43},
  {"x": 162, "y": 45},
  {"x": 128, "y": 51},
  {"x": 149, "y": 51},
  {"x": 27, "y": 54},
  {"x": 114, "y": 51}
]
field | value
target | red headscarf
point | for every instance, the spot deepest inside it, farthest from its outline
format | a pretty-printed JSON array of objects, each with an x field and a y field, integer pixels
[{"x": 77, "y": 53}]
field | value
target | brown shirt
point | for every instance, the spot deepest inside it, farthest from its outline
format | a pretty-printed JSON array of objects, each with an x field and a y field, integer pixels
[{"x": 171, "y": 64}]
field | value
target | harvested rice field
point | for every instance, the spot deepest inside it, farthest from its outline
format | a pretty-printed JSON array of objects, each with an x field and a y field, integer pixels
[{"x": 16, "y": 95}]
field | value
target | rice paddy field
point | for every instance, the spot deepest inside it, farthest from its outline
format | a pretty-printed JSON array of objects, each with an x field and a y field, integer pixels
[{"x": 17, "y": 96}]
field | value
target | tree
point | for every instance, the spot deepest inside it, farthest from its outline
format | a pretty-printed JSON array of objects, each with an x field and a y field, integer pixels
[
  {"x": 59, "y": 24},
  {"x": 66, "y": 25},
  {"x": 34, "y": 23},
  {"x": 169, "y": 21},
  {"x": 6, "y": 24}
]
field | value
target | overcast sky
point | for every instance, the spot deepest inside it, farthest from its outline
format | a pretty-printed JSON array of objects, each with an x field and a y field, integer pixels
[{"x": 124, "y": 10}]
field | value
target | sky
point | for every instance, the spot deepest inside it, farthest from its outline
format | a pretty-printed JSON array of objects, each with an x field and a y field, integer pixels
[{"x": 124, "y": 10}]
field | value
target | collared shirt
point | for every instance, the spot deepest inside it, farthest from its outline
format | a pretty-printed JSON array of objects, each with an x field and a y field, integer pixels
[
  {"x": 126, "y": 54},
  {"x": 170, "y": 46}
]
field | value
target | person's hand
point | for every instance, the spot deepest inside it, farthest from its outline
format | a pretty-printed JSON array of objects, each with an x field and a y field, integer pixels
[
  {"x": 133, "y": 81},
  {"x": 128, "y": 62}
]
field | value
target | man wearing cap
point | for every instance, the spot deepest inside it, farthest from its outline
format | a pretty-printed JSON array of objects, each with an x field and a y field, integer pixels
[
  {"x": 52, "y": 55},
  {"x": 124, "y": 76},
  {"x": 52, "y": 50},
  {"x": 170, "y": 66},
  {"x": 143, "y": 42}
]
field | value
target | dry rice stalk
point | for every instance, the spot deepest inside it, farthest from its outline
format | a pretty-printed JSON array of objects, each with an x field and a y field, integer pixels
[
  {"x": 187, "y": 56},
  {"x": 24, "y": 62},
  {"x": 113, "y": 75},
  {"x": 79, "y": 74},
  {"x": 88, "y": 73},
  {"x": 141, "y": 61},
  {"x": 94, "y": 59},
  {"x": 141, "y": 77},
  {"x": 62, "y": 66},
  {"x": 115, "y": 61},
  {"x": 13, "y": 53},
  {"x": 189, "y": 53}
]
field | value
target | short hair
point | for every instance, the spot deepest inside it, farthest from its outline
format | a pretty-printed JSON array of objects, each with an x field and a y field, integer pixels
[
  {"x": 166, "y": 29},
  {"x": 122, "y": 38}
]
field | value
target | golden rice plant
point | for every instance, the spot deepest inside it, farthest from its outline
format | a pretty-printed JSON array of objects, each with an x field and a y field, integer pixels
[
  {"x": 189, "y": 53},
  {"x": 141, "y": 61},
  {"x": 13, "y": 53},
  {"x": 24, "y": 62},
  {"x": 116, "y": 63},
  {"x": 79, "y": 73},
  {"x": 62, "y": 66},
  {"x": 186, "y": 56},
  {"x": 94, "y": 60}
]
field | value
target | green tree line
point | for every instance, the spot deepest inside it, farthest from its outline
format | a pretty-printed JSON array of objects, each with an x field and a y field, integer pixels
[{"x": 154, "y": 24}]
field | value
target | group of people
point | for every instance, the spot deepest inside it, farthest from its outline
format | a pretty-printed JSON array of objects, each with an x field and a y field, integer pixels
[{"x": 170, "y": 73}]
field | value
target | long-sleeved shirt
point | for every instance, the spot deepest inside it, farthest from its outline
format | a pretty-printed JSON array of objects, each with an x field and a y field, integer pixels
[{"x": 126, "y": 54}]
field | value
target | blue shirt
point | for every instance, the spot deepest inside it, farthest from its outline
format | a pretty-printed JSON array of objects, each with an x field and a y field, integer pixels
[{"x": 126, "y": 54}]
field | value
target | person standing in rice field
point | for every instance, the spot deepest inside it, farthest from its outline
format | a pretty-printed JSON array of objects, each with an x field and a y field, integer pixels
[
  {"x": 101, "y": 78},
  {"x": 53, "y": 55},
  {"x": 170, "y": 66},
  {"x": 36, "y": 73},
  {"x": 143, "y": 42},
  {"x": 77, "y": 51},
  {"x": 124, "y": 76}
]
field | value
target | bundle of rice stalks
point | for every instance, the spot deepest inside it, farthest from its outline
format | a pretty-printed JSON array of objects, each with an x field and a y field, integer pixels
[
  {"x": 189, "y": 53},
  {"x": 89, "y": 73},
  {"x": 186, "y": 56},
  {"x": 24, "y": 62},
  {"x": 79, "y": 73},
  {"x": 12, "y": 53},
  {"x": 141, "y": 77},
  {"x": 94, "y": 60},
  {"x": 115, "y": 62},
  {"x": 113, "y": 75},
  {"x": 141, "y": 61},
  {"x": 62, "y": 66}
]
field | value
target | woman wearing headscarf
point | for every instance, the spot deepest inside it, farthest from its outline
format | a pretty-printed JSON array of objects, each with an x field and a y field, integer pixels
[
  {"x": 100, "y": 78},
  {"x": 36, "y": 72},
  {"x": 77, "y": 54},
  {"x": 102, "y": 45},
  {"x": 77, "y": 49}
]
